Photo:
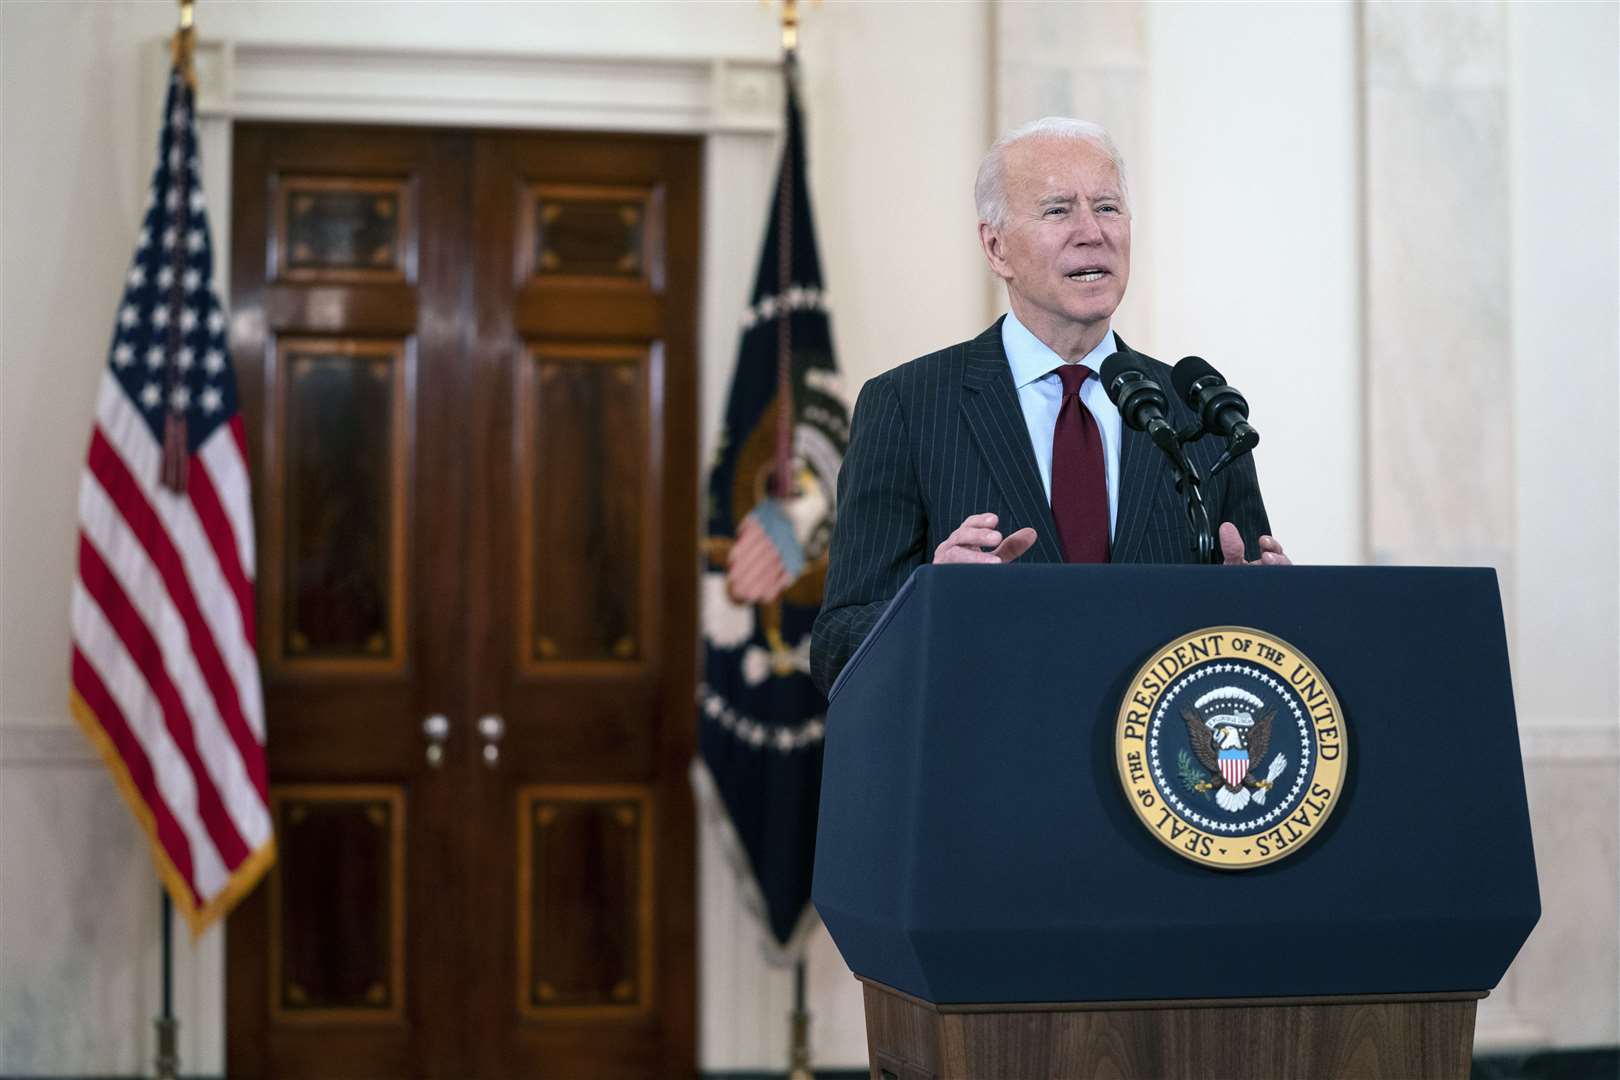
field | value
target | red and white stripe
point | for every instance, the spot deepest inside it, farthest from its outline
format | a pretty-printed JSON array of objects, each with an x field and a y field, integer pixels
[{"x": 164, "y": 658}]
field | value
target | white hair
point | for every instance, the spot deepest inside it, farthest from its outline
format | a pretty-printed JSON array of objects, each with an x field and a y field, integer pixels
[{"x": 990, "y": 188}]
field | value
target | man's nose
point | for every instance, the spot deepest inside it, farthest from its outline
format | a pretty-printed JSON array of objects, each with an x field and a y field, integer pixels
[{"x": 1087, "y": 229}]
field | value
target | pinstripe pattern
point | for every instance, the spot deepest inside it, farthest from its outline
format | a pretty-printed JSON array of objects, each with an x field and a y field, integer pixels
[{"x": 941, "y": 438}]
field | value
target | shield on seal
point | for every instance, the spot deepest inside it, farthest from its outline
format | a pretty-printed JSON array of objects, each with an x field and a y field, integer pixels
[{"x": 1235, "y": 766}]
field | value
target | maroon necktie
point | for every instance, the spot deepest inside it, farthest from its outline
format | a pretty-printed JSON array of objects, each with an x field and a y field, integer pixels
[{"x": 1079, "y": 478}]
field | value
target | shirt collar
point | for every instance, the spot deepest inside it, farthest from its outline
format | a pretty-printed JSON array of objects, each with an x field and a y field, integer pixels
[{"x": 1030, "y": 358}]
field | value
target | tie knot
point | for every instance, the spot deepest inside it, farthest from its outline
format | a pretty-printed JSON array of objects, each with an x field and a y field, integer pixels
[{"x": 1073, "y": 375}]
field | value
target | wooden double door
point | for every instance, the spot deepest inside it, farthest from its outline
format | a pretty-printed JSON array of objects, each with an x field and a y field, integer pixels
[{"x": 468, "y": 365}]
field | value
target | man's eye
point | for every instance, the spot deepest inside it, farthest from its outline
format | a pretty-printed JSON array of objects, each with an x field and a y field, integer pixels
[
  {"x": 1107, "y": 208},
  {"x": 1053, "y": 211}
]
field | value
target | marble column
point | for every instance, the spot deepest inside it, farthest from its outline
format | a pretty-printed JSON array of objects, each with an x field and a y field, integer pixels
[
  {"x": 1438, "y": 322},
  {"x": 1489, "y": 202}
]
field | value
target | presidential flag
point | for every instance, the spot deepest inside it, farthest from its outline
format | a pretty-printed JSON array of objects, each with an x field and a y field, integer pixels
[
  {"x": 165, "y": 678},
  {"x": 771, "y": 507}
]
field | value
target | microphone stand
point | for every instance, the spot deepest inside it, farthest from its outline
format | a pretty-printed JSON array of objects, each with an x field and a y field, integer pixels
[
  {"x": 1188, "y": 487},
  {"x": 1198, "y": 518},
  {"x": 1134, "y": 393},
  {"x": 1187, "y": 481}
]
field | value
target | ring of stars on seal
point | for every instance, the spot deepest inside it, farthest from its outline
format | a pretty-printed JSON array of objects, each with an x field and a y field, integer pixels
[{"x": 1191, "y": 813}]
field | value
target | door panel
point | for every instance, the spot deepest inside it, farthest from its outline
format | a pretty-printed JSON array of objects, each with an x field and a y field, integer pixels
[
  {"x": 587, "y": 259},
  {"x": 586, "y": 945},
  {"x": 348, "y": 283},
  {"x": 587, "y": 510},
  {"x": 337, "y": 906},
  {"x": 336, "y": 497},
  {"x": 470, "y": 364}
]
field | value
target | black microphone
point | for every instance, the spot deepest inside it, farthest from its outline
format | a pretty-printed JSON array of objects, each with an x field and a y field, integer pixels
[
  {"x": 1142, "y": 404},
  {"x": 1142, "y": 407},
  {"x": 1221, "y": 408},
  {"x": 1140, "y": 400}
]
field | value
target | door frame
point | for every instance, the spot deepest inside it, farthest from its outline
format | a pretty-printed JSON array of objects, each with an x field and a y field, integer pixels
[{"x": 733, "y": 103}]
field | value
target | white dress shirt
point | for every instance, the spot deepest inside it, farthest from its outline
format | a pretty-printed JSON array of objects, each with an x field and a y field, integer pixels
[{"x": 1040, "y": 394}]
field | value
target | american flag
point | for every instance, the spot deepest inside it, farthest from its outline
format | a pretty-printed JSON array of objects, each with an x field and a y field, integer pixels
[{"x": 165, "y": 677}]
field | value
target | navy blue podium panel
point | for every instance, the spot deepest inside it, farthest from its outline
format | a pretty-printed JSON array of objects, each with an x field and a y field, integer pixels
[{"x": 975, "y": 844}]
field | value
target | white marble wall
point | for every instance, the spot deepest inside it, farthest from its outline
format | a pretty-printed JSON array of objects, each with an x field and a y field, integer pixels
[
  {"x": 79, "y": 960},
  {"x": 1255, "y": 220},
  {"x": 1439, "y": 356},
  {"x": 1561, "y": 989},
  {"x": 1564, "y": 140},
  {"x": 1564, "y": 127},
  {"x": 1492, "y": 357}
]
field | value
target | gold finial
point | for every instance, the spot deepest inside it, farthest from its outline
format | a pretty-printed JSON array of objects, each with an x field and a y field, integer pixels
[
  {"x": 181, "y": 45},
  {"x": 790, "y": 25}
]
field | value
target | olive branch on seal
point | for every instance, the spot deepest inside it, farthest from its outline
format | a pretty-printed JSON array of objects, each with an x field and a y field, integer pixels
[{"x": 1192, "y": 776}]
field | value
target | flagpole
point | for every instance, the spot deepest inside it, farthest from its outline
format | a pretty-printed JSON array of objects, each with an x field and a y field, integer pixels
[
  {"x": 167, "y": 1061},
  {"x": 799, "y": 1062},
  {"x": 176, "y": 455},
  {"x": 783, "y": 486},
  {"x": 168, "y": 1057},
  {"x": 799, "y": 1019}
]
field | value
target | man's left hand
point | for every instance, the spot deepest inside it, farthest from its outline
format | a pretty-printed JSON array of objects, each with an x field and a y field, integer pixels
[{"x": 1271, "y": 552}]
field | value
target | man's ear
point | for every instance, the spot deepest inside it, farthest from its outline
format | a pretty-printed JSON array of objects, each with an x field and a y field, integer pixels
[{"x": 994, "y": 252}]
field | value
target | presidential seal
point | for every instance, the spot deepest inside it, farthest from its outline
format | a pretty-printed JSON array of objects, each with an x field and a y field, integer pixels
[{"x": 1231, "y": 747}]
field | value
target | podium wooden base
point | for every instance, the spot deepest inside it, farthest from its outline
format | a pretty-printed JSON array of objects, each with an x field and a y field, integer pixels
[{"x": 1375, "y": 1037}]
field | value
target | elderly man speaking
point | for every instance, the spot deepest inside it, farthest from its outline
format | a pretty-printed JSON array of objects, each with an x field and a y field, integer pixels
[{"x": 1007, "y": 446}]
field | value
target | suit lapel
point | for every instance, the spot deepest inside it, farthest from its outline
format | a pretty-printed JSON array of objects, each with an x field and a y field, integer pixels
[
  {"x": 991, "y": 409},
  {"x": 1138, "y": 457}
]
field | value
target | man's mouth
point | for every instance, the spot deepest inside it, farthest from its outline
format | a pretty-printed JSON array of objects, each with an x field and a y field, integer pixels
[{"x": 1088, "y": 274}]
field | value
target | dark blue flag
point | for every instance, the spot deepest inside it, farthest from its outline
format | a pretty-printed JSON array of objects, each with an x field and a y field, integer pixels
[{"x": 771, "y": 505}]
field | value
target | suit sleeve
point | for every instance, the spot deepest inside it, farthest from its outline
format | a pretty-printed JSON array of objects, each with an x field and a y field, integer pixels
[
  {"x": 1242, "y": 506},
  {"x": 880, "y": 535}
]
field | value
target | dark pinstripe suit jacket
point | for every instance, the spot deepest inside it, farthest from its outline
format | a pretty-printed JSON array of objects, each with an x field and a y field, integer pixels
[{"x": 943, "y": 437}]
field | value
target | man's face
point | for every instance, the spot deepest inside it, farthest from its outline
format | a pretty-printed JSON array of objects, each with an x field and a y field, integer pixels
[{"x": 1065, "y": 248}]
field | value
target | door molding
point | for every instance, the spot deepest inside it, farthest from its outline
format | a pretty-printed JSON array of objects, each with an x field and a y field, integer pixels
[
  {"x": 734, "y": 104},
  {"x": 462, "y": 88}
]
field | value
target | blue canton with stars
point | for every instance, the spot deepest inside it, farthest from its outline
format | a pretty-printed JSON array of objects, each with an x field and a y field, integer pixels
[{"x": 168, "y": 351}]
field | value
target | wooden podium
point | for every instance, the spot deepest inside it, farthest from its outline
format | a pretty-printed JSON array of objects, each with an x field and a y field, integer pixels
[
  {"x": 1395, "y": 1036},
  {"x": 1010, "y": 917}
]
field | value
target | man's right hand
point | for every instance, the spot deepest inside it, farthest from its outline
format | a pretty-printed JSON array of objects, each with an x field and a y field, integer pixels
[{"x": 967, "y": 543}]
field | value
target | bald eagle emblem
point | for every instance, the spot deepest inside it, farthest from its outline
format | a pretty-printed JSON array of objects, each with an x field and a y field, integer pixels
[{"x": 1230, "y": 730}]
